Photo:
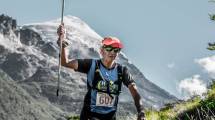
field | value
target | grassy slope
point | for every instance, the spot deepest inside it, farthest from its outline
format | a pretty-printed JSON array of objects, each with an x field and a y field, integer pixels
[{"x": 194, "y": 108}]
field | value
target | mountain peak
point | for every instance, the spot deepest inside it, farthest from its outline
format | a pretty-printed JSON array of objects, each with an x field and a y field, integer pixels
[{"x": 70, "y": 22}]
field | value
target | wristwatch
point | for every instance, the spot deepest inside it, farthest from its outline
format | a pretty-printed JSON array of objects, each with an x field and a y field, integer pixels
[{"x": 64, "y": 43}]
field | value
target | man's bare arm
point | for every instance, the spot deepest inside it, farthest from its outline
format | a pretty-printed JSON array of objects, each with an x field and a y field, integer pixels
[
  {"x": 137, "y": 100},
  {"x": 73, "y": 64}
]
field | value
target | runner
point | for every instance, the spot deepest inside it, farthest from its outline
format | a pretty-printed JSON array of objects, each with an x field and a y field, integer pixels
[{"x": 104, "y": 80}]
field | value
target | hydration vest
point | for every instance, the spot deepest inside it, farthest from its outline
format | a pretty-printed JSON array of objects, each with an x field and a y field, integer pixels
[{"x": 102, "y": 95}]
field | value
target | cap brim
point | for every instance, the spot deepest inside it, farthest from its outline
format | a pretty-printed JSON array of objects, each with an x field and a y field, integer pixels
[
  {"x": 116, "y": 45},
  {"x": 113, "y": 43}
]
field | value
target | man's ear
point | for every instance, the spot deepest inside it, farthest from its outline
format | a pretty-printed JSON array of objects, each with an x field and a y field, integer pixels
[{"x": 101, "y": 51}]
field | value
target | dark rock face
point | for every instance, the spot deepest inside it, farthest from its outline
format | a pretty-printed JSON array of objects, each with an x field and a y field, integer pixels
[
  {"x": 41, "y": 75},
  {"x": 49, "y": 49},
  {"x": 7, "y": 23},
  {"x": 29, "y": 37},
  {"x": 17, "y": 104},
  {"x": 17, "y": 66},
  {"x": 3, "y": 54}
]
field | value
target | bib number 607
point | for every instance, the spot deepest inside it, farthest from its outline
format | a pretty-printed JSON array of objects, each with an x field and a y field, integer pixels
[{"x": 104, "y": 99}]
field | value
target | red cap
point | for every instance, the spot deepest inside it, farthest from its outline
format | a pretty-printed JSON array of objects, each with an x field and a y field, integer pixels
[{"x": 112, "y": 41}]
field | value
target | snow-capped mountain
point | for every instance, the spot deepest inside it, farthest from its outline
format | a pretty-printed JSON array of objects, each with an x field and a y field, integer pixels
[{"x": 29, "y": 58}]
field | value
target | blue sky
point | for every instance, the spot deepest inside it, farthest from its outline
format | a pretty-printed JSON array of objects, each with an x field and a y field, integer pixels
[{"x": 161, "y": 37}]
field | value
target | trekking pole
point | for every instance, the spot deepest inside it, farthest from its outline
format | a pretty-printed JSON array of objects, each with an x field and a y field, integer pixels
[{"x": 59, "y": 66}]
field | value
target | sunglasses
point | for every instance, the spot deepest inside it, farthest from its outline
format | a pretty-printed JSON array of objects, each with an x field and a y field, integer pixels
[{"x": 110, "y": 48}]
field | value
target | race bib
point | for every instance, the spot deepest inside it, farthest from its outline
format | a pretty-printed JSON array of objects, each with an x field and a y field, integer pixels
[{"x": 103, "y": 99}]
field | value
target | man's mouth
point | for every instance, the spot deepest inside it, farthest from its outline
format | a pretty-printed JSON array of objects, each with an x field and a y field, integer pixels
[{"x": 112, "y": 56}]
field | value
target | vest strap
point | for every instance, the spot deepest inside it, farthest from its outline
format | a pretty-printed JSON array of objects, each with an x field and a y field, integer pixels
[{"x": 98, "y": 77}]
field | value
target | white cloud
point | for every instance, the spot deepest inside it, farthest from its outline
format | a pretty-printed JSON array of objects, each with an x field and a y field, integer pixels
[
  {"x": 171, "y": 65},
  {"x": 208, "y": 64},
  {"x": 192, "y": 86}
]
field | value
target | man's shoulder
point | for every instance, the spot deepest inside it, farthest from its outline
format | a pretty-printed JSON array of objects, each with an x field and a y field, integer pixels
[
  {"x": 84, "y": 65},
  {"x": 121, "y": 65},
  {"x": 85, "y": 60}
]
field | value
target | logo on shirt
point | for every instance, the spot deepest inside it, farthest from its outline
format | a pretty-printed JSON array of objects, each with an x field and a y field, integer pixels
[{"x": 102, "y": 85}]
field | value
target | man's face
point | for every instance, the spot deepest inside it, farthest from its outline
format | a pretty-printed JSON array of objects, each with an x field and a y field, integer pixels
[{"x": 109, "y": 53}]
